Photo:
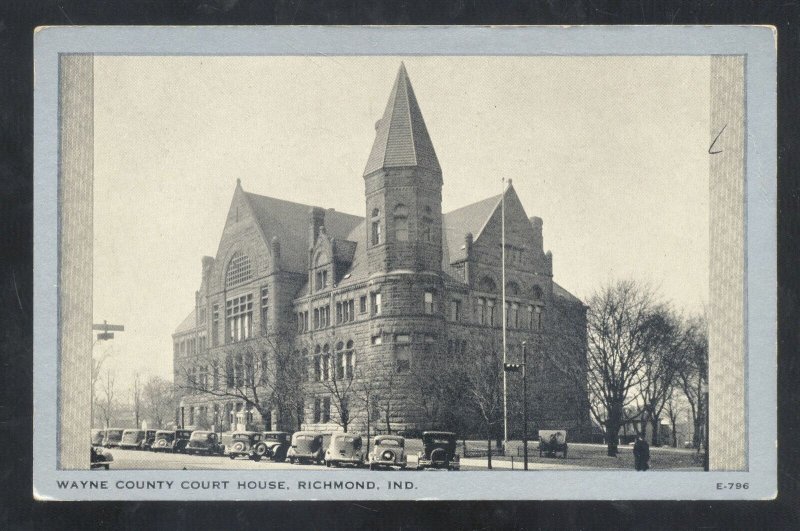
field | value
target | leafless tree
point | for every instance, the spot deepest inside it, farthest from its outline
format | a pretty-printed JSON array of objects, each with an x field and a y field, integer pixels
[
  {"x": 136, "y": 398},
  {"x": 107, "y": 402},
  {"x": 693, "y": 373},
  {"x": 484, "y": 381},
  {"x": 673, "y": 410},
  {"x": 263, "y": 373},
  {"x": 158, "y": 401},
  {"x": 376, "y": 388}
]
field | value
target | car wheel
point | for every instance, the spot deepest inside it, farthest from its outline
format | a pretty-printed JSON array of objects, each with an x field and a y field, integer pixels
[
  {"x": 291, "y": 460},
  {"x": 106, "y": 467},
  {"x": 255, "y": 457},
  {"x": 232, "y": 457},
  {"x": 328, "y": 463}
]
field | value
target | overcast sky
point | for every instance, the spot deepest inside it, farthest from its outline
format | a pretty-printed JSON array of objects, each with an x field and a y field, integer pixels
[{"x": 610, "y": 152}]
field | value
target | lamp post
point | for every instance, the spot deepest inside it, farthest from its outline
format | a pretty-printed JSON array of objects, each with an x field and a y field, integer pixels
[
  {"x": 106, "y": 334},
  {"x": 516, "y": 367}
]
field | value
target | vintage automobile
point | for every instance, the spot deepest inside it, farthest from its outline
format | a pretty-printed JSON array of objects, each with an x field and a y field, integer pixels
[
  {"x": 204, "y": 442},
  {"x": 171, "y": 441},
  {"x": 131, "y": 439},
  {"x": 307, "y": 447},
  {"x": 149, "y": 439},
  {"x": 100, "y": 458},
  {"x": 274, "y": 445},
  {"x": 244, "y": 444},
  {"x": 551, "y": 442},
  {"x": 438, "y": 451},
  {"x": 97, "y": 437},
  {"x": 344, "y": 449},
  {"x": 113, "y": 437},
  {"x": 388, "y": 451}
]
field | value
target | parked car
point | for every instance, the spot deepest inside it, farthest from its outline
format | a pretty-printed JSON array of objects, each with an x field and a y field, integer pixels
[
  {"x": 244, "y": 444},
  {"x": 388, "y": 451},
  {"x": 551, "y": 442},
  {"x": 344, "y": 449},
  {"x": 204, "y": 442},
  {"x": 98, "y": 436},
  {"x": 149, "y": 439},
  {"x": 100, "y": 458},
  {"x": 276, "y": 444},
  {"x": 131, "y": 439},
  {"x": 438, "y": 451},
  {"x": 113, "y": 437},
  {"x": 171, "y": 441},
  {"x": 307, "y": 446}
]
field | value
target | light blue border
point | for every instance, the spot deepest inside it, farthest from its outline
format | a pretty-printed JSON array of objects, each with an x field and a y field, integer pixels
[{"x": 757, "y": 43}]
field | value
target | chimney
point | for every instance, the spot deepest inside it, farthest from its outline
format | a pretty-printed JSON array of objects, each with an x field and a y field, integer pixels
[
  {"x": 276, "y": 253},
  {"x": 316, "y": 220},
  {"x": 538, "y": 242}
]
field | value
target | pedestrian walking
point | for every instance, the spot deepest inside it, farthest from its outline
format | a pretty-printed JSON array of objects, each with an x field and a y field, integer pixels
[{"x": 641, "y": 453}]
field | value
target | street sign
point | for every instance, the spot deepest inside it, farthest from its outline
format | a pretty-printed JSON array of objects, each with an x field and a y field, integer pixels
[
  {"x": 105, "y": 327},
  {"x": 103, "y": 336}
]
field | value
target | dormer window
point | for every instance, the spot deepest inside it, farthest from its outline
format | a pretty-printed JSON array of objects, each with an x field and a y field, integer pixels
[
  {"x": 375, "y": 236},
  {"x": 239, "y": 270},
  {"x": 401, "y": 223},
  {"x": 322, "y": 279}
]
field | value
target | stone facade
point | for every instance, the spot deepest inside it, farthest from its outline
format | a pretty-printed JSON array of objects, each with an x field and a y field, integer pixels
[{"x": 317, "y": 319}]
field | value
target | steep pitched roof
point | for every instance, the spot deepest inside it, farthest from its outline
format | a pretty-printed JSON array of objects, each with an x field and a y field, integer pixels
[
  {"x": 565, "y": 295},
  {"x": 470, "y": 218},
  {"x": 402, "y": 138},
  {"x": 289, "y": 222},
  {"x": 188, "y": 324}
]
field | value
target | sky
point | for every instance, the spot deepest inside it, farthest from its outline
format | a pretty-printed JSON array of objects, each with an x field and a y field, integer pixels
[{"x": 610, "y": 151}]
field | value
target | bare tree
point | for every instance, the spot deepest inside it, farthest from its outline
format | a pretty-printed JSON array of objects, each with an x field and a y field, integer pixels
[
  {"x": 619, "y": 333},
  {"x": 107, "y": 402},
  {"x": 263, "y": 373},
  {"x": 673, "y": 410},
  {"x": 485, "y": 386},
  {"x": 693, "y": 373},
  {"x": 158, "y": 401},
  {"x": 136, "y": 398}
]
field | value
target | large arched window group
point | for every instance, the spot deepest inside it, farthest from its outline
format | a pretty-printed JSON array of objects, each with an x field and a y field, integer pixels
[{"x": 338, "y": 364}]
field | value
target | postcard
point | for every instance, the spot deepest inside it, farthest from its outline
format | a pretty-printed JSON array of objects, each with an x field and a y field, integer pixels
[{"x": 379, "y": 263}]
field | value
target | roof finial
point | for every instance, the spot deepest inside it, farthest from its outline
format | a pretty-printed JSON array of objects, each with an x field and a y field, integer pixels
[{"x": 238, "y": 182}]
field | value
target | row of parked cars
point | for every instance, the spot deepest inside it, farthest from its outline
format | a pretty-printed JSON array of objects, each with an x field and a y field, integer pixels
[{"x": 302, "y": 447}]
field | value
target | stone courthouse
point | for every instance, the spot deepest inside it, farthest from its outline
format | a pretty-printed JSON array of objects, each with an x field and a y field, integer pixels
[{"x": 308, "y": 317}]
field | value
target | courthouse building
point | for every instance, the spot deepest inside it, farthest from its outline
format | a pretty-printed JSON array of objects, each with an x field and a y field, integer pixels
[{"x": 364, "y": 302}]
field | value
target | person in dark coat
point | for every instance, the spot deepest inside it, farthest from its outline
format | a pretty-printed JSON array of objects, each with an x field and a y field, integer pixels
[{"x": 641, "y": 454}]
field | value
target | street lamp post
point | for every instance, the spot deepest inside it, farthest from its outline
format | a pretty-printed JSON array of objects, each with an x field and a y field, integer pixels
[
  {"x": 106, "y": 334},
  {"x": 705, "y": 435}
]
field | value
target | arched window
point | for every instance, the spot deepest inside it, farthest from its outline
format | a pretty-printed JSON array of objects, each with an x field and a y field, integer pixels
[
  {"x": 305, "y": 365},
  {"x": 339, "y": 361},
  {"x": 322, "y": 273},
  {"x": 375, "y": 235},
  {"x": 239, "y": 270},
  {"x": 401, "y": 223},
  {"x": 487, "y": 284},
  {"x": 326, "y": 363},
  {"x": 537, "y": 293},
  {"x": 426, "y": 230},
  {"x": 349, "y": 360},
  {"x": 512, "y": 289},
  {"x": 318, "y": 363}
]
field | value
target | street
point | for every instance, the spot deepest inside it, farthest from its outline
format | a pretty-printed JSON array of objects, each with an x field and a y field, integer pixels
[{"x": 581, "y": 457}]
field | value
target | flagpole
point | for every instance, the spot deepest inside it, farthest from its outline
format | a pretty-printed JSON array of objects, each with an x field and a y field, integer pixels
[{"x": 503, "y": 275}]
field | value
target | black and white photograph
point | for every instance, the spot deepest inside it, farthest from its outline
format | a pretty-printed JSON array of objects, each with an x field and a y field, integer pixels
[{"x": 323, "y": 269}]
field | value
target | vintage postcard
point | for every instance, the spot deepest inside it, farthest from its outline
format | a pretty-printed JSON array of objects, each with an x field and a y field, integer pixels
[{"x": 307, "y": 263}]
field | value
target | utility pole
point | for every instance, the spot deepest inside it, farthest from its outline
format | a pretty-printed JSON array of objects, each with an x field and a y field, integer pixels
[
  {"x": 503, "y": 280},
  {"x": 525, "y": 404}
]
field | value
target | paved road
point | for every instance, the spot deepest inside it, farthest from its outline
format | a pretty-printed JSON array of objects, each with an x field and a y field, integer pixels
[{"x": 132, "y": 459}]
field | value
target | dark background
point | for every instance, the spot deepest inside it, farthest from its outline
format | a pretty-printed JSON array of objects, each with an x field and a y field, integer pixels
[{"x": 18, "y": 18}]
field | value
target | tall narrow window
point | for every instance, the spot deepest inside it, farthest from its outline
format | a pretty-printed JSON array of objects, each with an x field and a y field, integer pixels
[
  {"x": 339, "y": 361},
  {"x": 537, "y": 293},
  {"x": 490, "y": 312},
  {"x": 349, "y": 360},
  {"x": 455, "y": 310},
  {"x": 317, "y": 410},
  {"x": 215, "y": 325},
  {"x": 481, "y": 311},
  {"x": 537, "y": 318},
  {"x": 376, "y": 227},
  {"x": 376, "y": 303},
  {"x": 515, "y": 314},
  {"x": 215, "y": 375},
  {"x": 322, "y": 279},
  {"x": 402, "y": 344},
  {"x": 264, "y": 310},
  {"x": 426, "y": 229},
  {"x": 326, "y": 363},
  {"x": 362, "y": 304},
  {"x": 339, "y": 313},
  {"x": 401, "y": 223},
  {"x": 318, "y": 364},
  {"x": 239, "y": 318},
  {"x": 429, "y": 307},
  {"x": 326, "y": 409}
]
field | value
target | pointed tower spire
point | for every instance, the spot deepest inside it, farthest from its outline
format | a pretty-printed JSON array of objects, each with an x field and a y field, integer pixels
[{"x": 401, "y": 138}]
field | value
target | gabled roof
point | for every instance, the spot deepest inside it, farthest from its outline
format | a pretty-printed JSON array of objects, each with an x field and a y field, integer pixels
[
  {"x": 565, "y": 295},
  {"x": 470, "y": 218},
  {"x": 188, "y": 324},
  {"x": 401, "y": 137},
  {"x": 289, "y": 222}
]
